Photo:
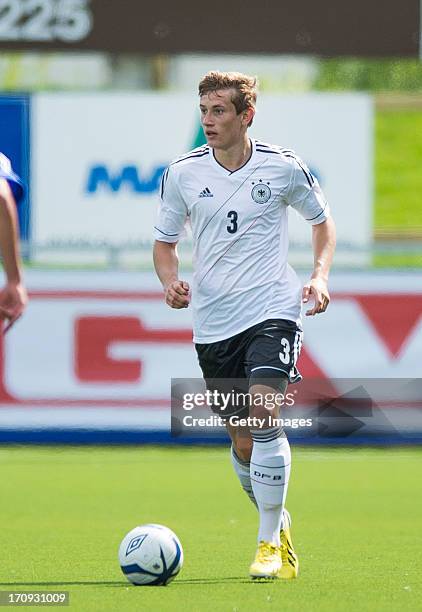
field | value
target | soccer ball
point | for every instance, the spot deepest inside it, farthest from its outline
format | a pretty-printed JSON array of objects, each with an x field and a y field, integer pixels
[{"x": 151, "y": 555}]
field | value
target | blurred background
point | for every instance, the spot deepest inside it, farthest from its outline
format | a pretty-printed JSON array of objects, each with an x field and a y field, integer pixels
[{"x": 97, "y": 98}]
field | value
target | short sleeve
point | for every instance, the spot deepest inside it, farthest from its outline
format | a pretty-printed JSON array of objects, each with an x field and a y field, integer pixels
[
  {"x": 13, "y": 179},
  {"x": 305, "y": 195},
  {"x": 172, "y": 213}
]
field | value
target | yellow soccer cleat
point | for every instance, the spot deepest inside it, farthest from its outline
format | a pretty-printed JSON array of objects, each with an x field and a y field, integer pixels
[
  {"x": 267, "y": 562},
  {"x": 290, "y": 562}
]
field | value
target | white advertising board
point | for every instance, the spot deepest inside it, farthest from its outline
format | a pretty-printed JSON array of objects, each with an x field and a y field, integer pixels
[
  {"x": 97, "y": 351},
  {"x": 97, "y": 159}
]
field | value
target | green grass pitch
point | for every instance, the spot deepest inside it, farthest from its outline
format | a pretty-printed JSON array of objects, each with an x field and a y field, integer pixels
[{"x": 356, "y": 527}]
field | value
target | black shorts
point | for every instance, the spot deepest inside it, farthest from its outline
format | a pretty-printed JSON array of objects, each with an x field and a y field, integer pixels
[{"x": 265, "y": 353}]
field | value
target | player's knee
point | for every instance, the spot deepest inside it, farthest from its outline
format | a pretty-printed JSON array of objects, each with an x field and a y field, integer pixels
[{"x": 267, "y": 395}]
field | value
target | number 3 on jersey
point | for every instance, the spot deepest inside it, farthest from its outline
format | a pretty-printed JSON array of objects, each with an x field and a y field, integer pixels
[
  {"x": 232, "y": 215},
  {"x": 285, "y": 353}
]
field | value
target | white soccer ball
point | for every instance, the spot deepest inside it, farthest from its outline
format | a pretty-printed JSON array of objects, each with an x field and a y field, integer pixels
[{"x": 151, "y": 555}]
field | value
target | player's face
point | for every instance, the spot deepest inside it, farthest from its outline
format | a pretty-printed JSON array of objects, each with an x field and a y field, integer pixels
[{"x": 223, "y": 127}]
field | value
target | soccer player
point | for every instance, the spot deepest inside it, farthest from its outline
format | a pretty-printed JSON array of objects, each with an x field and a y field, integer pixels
[
  {"x": 246, "y": 299},
  {"x": 13, "y": 297}
]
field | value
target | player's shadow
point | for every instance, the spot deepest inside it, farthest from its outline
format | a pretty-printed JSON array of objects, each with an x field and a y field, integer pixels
[
  {"x": 119, "y": 583},
  {"x": 226, "y": 579}
]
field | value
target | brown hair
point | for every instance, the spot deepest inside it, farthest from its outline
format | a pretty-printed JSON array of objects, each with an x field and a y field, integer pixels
[{"x": 245, "y": 88}]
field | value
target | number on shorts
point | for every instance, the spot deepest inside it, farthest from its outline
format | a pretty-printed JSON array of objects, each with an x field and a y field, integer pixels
[{"x": 285, "y": 353}]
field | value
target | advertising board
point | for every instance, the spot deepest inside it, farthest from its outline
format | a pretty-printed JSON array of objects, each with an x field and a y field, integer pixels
[
  {"x": 96, "y": 352},
  {"x": 97, "y": 160}
]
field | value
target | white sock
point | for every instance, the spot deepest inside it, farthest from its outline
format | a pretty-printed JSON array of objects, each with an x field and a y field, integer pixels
[
  {"x": 242, "y": 469},
  {"x": 270, "y": 471}
]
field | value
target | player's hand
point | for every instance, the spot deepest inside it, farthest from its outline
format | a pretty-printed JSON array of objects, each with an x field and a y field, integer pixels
[
  {"x": 318, "y": 290},
  {"x": 13, "y": 299},
  {"x": 177, "y": 294}
]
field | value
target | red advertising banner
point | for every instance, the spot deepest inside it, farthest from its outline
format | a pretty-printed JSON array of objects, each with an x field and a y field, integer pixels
[{"x": 104, "y": 358}]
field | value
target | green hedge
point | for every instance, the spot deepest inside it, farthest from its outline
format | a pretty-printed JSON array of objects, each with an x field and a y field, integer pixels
[{"x": 401, "y": 75}]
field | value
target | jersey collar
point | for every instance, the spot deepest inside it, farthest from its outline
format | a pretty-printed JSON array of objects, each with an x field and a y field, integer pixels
[{"x": 228, "y": 172}]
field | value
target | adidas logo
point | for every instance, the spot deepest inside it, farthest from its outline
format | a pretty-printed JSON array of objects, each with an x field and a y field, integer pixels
[{"x": 206, "y": 193}]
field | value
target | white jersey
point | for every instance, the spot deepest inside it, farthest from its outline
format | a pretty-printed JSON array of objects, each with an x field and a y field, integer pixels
[
  {"x": 239, "y": 228},
  {"x": 14, "y": 181}
]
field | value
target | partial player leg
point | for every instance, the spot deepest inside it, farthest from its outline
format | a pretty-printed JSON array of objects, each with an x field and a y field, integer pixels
[
  {"x": 270, "y": 467},
  {"x": 271, "y": 363},
  {"x": 270, "y": 471},
  {"x": 241, "y": 451}
]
